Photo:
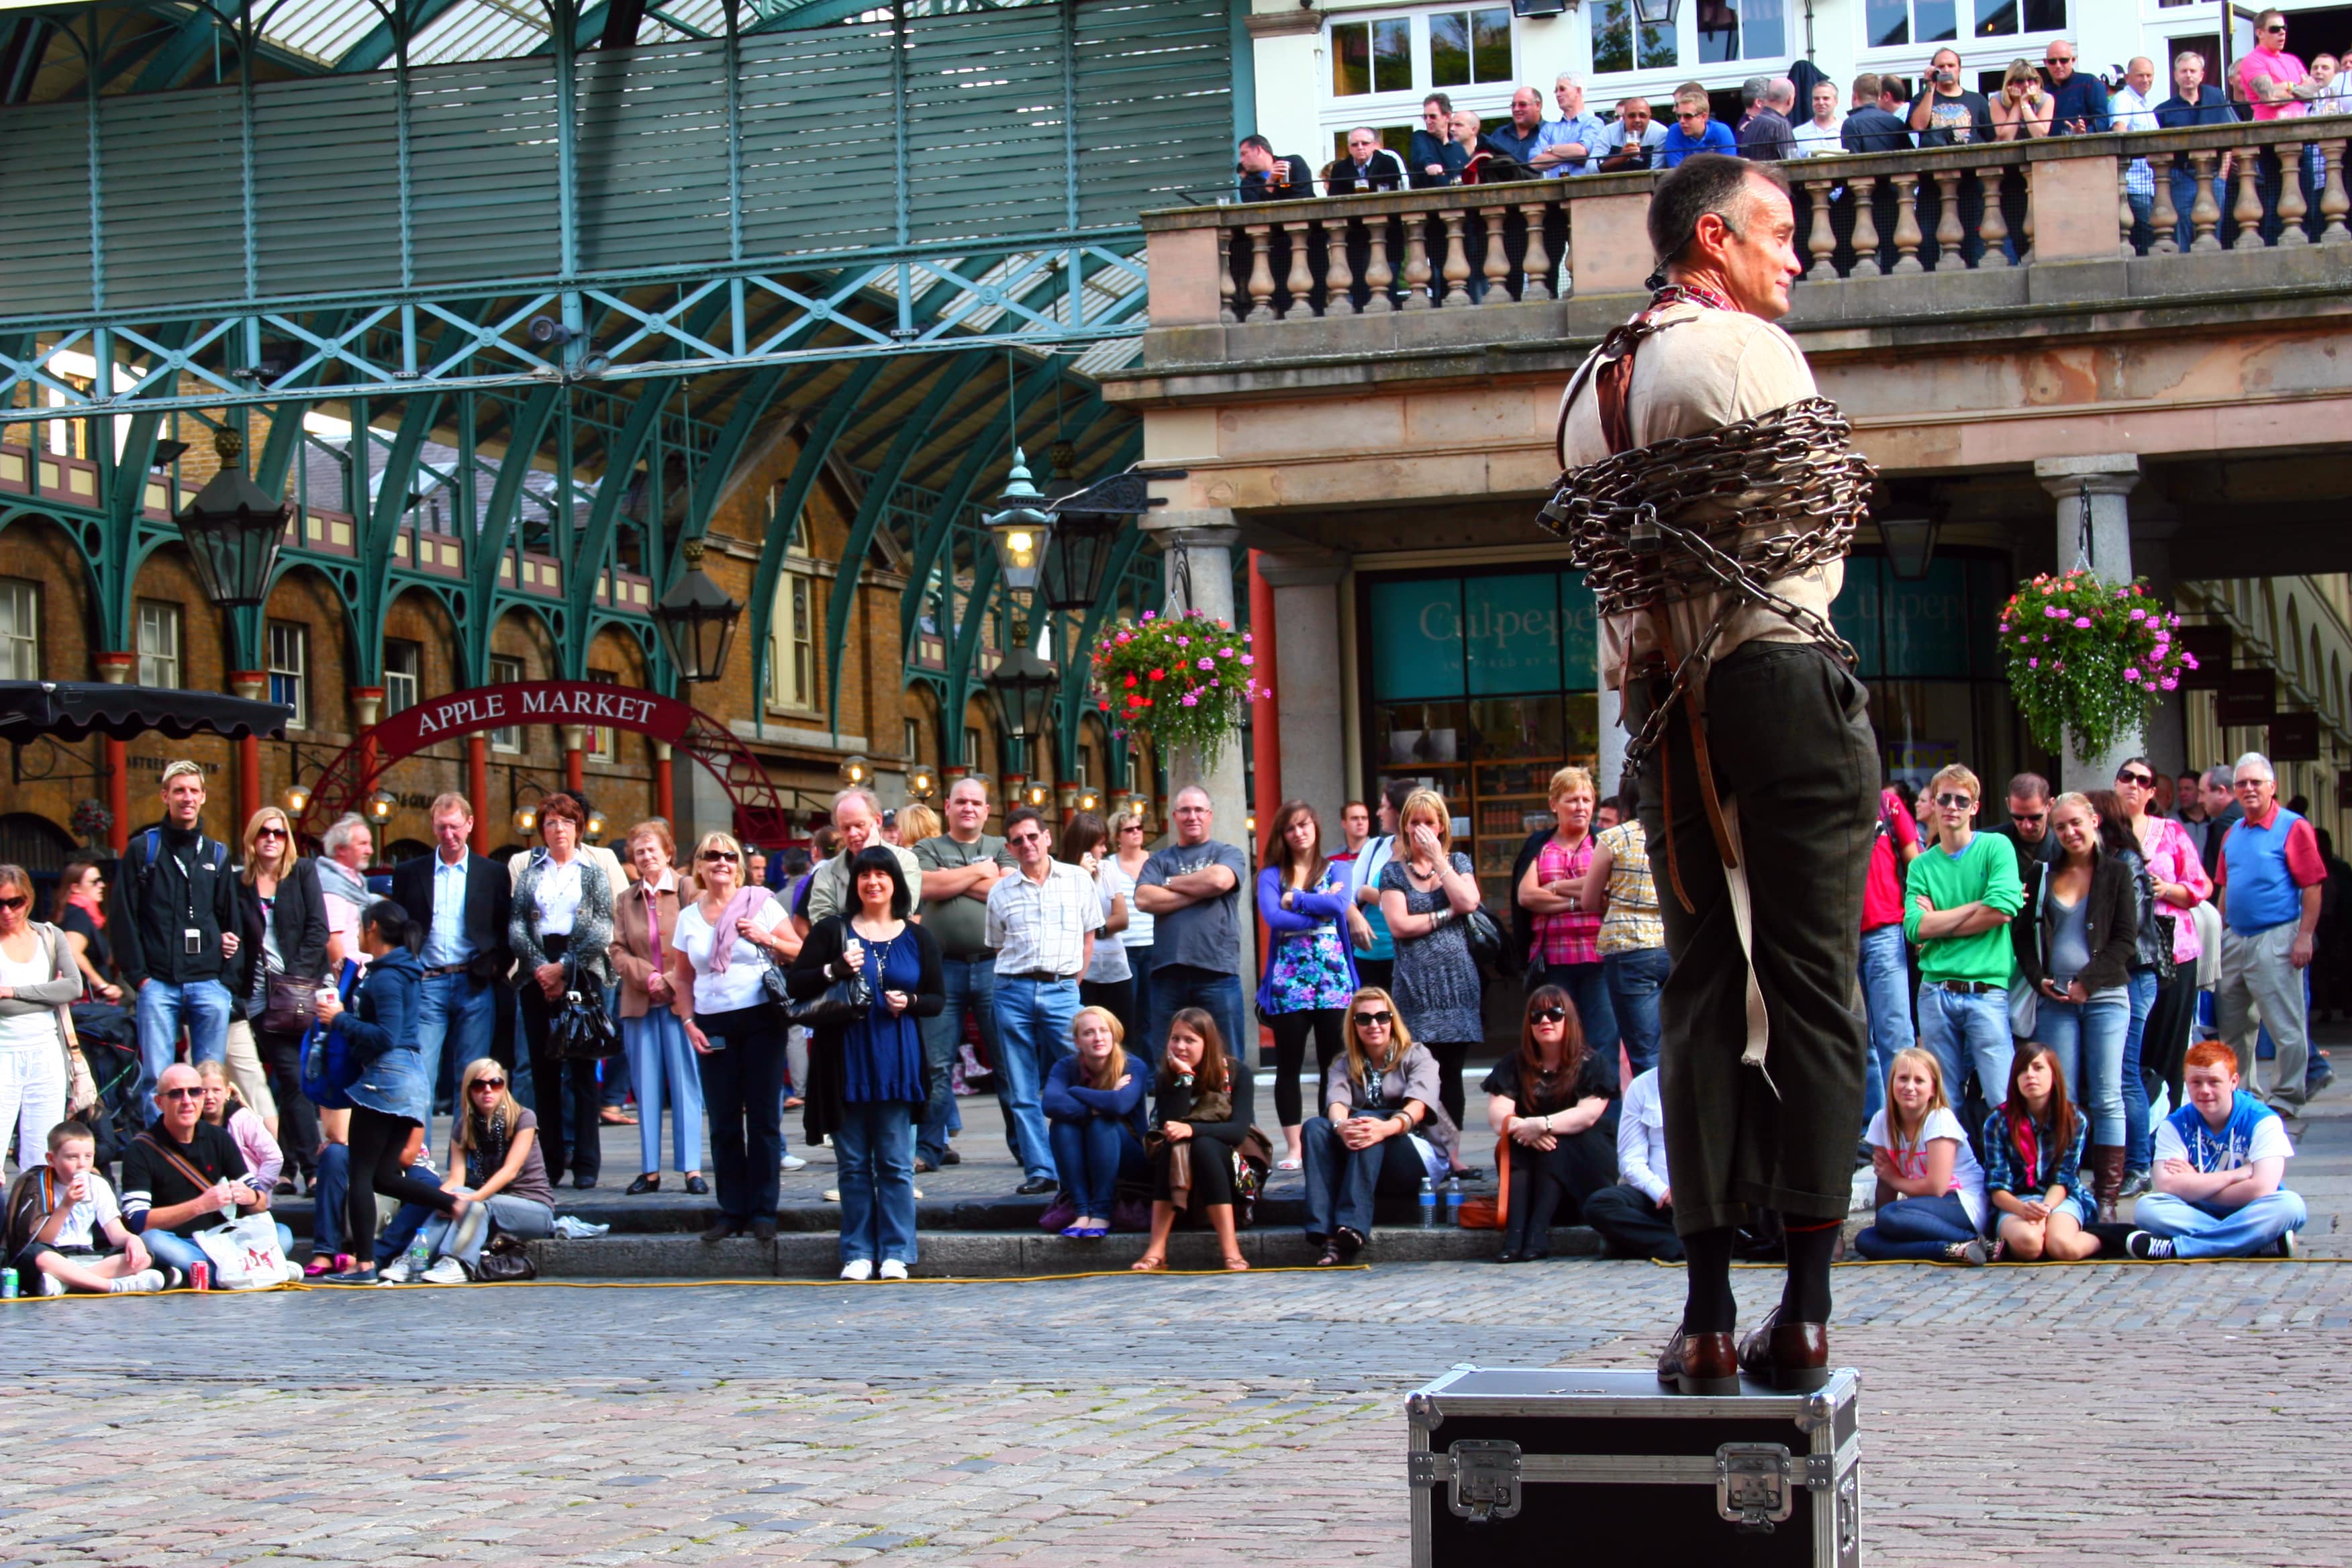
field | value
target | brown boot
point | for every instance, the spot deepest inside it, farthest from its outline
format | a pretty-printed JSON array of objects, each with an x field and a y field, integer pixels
[
  {"x": 2107, "y": 1178},
  {"x": 1700, "y": 1363}
]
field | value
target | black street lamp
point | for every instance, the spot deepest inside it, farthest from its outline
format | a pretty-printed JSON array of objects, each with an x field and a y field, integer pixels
[
  {"x": 697, "y": 619},
  {"x": 1024, "y": 685},
  {"x": 234, "y": 531},
  {"x": 1019, "y": 526}
]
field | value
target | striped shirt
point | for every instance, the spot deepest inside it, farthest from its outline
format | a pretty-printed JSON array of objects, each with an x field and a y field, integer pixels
[
  {"x": 1632, "y": 923},
  {"x": 1042, "y": 927}
]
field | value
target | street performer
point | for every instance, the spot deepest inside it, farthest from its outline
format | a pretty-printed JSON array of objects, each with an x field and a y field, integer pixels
[{"x": 1710, "y": 496}]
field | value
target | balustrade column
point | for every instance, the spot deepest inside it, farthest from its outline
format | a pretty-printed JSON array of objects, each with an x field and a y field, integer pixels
[
  {"x": 1338, "y": 279},
  {"x": 1457, "y": 261},
  {"x": 2248, "y": 208},
  {"x": 2124, "y": 208},
  {"x": 2163, "y": 216},
  {"x": 2334, "y": 203},
  {"x": 1260, "y": 275},
  {"x": 2205, "y": 212},
  {"x": 1537, "y": 265},
  {"x": 1907, "y": 236},
  {"x": 1378, "y": 275},
  {"x": 1416, "y": 263},
  {"x": 1496, "y": 267},
  {"x": 1822, "y": 244},
  {"x": 1950, "y": 255},
  {"x": 1992, "y": 227},
  {"x": 1301, "y": 281},
  {"x": 2292, "y": 206},
  {"x": 1225, "y": 278},
  {"x": 1866, "y": 261}
]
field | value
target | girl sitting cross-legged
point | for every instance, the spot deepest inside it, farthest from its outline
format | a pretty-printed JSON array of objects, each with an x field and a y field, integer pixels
[
  {"x": 2033, "y": 1159},
  {"x": 1930, "y": 1188}
]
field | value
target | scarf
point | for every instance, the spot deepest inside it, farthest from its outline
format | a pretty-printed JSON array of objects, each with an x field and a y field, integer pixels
[
  {"x": 483, "y": 1160},
  {"x": 338, "y": 881},
  {"x": 723, "y": 946},
  {"x": 87, "y": 906}
]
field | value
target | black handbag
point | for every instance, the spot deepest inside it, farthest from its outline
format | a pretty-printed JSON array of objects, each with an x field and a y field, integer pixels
[
  {"x": 1485, "y": 937},
  {"x": 577, "y": 1027},
  {"x": 841, "y": 1002},
  {"x": 505, "y": 1260},
  {"x": 289, "y": 1004}
]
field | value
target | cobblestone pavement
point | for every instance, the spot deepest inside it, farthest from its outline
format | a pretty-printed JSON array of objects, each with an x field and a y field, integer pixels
[{"x": 2011, "y": 1415}]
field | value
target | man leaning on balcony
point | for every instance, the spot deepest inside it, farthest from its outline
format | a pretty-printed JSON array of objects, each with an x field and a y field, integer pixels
[
  {"x": 1369, "y": 166},
  {"x": 1572, "y": 143}
]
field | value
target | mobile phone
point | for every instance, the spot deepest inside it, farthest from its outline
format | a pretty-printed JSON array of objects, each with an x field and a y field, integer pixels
[
  {"x": 192, "y": 940},
  {"x": 716, "y": 1042}
]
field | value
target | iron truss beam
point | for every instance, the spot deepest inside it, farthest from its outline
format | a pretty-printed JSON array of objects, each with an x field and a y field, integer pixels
[{"x": 322, "y": 348}]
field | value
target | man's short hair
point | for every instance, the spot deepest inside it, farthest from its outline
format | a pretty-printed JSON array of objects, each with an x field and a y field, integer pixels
[
  {"x": 1866, "y": 85},
  {"x": 1021, "y": 814},
  {"x": 1625, "y": 103},
  {"x": 974, "y": 780},
  {"x": 2029, "y": 787},
  {"x": 1955, "y": 773},
  {"x": 177, "y": 768},
  {"x": 2189, "y": 55},
  {"x": 1398, "y": 792},
  {"x": 1366, "y": 130},
  {"x": 1705, "y": 183},
  {"x": 2143, "y": 60},
  {"x": 1566, "y": 79},
  {"x": 2212, "y": 1054},
  {"x": 1782, "y": 87},
  {"x": 1690, "y": 92},
  {"x": 1258, "y": 141},
  {"x": 1896, "y": 85},
  {"x": 1439, "y": 99},
  {"x": 2253, "y": 760},
  {"x": 2217, "y": 777},
  {"x": 450, "y": 800},
  {"x": 2263, "y": 16},
  {"x": 1177, "y": 799},
  {"x": 339, "y": 832},
  {"x": 69, "y": 1132},
  {"x": 1755, "y": 90},
  {"x": 859, "y": 792}
]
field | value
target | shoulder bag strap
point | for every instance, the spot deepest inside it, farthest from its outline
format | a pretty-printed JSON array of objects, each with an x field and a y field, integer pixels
[{"x": 198, "y": 1177}]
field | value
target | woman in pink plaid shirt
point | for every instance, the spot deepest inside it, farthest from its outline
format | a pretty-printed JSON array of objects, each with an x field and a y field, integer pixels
[{"x": 1566, "y": 951}]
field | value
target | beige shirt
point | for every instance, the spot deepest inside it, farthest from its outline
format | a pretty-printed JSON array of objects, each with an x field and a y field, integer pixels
[{"x": 1704, "y": 368}]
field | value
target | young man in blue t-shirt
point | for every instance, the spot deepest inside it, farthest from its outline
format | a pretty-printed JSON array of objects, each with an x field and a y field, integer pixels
[
  {"x": 1693, "y": 131},
  {"x": 2220, "y": 1160}
]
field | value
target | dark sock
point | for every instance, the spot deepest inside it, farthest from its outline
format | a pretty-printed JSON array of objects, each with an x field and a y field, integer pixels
[
  {"x": 1709, "y": 1308},
  {"x": 1516, "y": 1234},
  {"x": 1805, "y": 1298},
  {"x": 1544, "y": 1204}
]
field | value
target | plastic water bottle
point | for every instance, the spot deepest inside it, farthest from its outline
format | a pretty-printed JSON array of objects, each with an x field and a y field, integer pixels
[
  {"x": 1454, "y": 1196},
  {"x": 1429, "y": 1209},
  {"x": 419, "y": 1258}
]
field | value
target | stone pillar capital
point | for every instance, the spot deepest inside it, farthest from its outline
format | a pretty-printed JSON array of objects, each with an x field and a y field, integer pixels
[
  {"x": 251, "y": 684},
  {"x": 1194, "y": 528},
  {"x": 2103, "y": 474},
  {"x": 367, "y": 705},
  {"x": 115, "y": 668}
]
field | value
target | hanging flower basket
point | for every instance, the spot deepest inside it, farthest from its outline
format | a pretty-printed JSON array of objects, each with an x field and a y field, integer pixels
[
  {"x": 1184, "y": 680},
  {"x": 2086, "y": 657},
  {"x": 91, "y": 822}
]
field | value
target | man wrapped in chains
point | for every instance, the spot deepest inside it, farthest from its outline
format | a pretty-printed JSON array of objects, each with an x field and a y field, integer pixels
[{"x": 1710, "y": 495}]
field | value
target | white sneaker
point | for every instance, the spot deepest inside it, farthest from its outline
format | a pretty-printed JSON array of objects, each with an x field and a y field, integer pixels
[
  {"x": 861, "y": 1270},
  {"x": 395, "y": 1273},
  {"x": 53, "y": 1286},
  {"x": 146, "y": 1282},
  {"x": 918, "y": 1194},
  {"x": 795, "y": 1163},
  {"x": 445, "y": 1271},
  {"x": 893, "y": 1269},
  {"x": 2290, "y": 1244},
  {"x": 832, "y": 1194}
]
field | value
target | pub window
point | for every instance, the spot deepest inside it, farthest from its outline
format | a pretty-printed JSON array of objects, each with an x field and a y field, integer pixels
[
  {"x": 1620, "y": 43},
  {"x": 1371, "y": 57},
  {"x": 600, "y": 736},
  {"x": 504, "y": 671},
  {"x": 159, "y": 643},
  {"x": 1466, "y": 48},
  {"x": 792, "y": 645},
  {"x": 20, "y": 630},
  {"x": 290, "y": 683},
  {"x": 403, "y": 662},
  {"x": 1752, "y": 29}
]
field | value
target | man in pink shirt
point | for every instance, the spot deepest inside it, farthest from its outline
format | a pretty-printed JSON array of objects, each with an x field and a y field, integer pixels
[
  {"x": 2273, "y": 82},
  {"x": 1886, "y": 966}
]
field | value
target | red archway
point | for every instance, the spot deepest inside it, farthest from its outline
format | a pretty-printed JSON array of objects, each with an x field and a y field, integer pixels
[{"x": 759, "y": 810}]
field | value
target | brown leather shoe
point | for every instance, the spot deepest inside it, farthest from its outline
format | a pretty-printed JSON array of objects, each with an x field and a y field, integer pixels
[
  {"x": 1788, "y": 1356},
  {"x": 1699, "y": 1364}
]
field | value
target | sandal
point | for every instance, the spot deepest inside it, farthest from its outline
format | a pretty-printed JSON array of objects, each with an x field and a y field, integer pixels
[
  {"x": 1149, "y": 1263},
  {"x": 614, "y": 1116},
  {"x": 1235, "y": 1263},
  {"x": 1330, "y": 1259},
  {"x": 1289, "y": 1163}
]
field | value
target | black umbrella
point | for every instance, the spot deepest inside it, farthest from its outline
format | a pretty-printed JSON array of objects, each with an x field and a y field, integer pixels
[{"x": 71, "y": 710}]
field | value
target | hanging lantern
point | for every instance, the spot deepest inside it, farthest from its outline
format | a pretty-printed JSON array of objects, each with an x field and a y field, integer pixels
[
  {"x": 381, "y": 804},
  {"x": 1021, "y": 527},
  {"x": 233, "y": 531},
  {"x": 921, "y": 784},
  {"x": 856, "y": 771},
  {"x": 697, "y": 619}
]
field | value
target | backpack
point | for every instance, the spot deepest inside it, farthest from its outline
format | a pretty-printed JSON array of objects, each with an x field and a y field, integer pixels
[{"x": 328, "y": 1064}]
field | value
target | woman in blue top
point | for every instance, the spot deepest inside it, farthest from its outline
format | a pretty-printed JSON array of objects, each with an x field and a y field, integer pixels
[
  {"x": 2034, "y": 1164},
  {"x": 865, "y": 1077},
  {"x": 1310, "y": 971},
  {"x": 1094, "y": 1102},
  {"x": 388, "y": 1098}
]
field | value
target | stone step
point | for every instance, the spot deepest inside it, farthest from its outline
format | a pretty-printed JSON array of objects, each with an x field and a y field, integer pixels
[{"x": 1000, "y": 1254}]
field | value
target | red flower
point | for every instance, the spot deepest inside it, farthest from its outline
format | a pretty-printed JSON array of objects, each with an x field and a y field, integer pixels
[
  {"x": 1130, "y": 682},
  {"x": 1159, "y": 675}
]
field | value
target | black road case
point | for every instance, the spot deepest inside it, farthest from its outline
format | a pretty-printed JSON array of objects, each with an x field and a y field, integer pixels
[{"x": 1525, "y": 1465}]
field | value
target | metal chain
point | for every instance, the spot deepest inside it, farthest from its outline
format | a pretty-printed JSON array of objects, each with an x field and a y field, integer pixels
[{"x": 1725, "y": 512}]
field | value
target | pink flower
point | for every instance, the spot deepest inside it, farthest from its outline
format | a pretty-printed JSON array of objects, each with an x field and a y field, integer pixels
[
  {"x": 1248, "y": 660},
  {"x": 2034, "y": 664},
  {"x": 1192, "y": 699},
  {"x": 1246, "y": 636},
  {"x": 2054, "y": 612},
  {"x": 1224, "y": 652},
  {"x": 2168, "y": 683},
  {"x": 2131, "y": 675},
  {"x": 1184, "y": 642},
  {"x": 1208, "y": 664},
  {"x": 1127, "y": 637},
  {"x": 2187, "y": 661},
  {"x": 2082, "y": 622}
]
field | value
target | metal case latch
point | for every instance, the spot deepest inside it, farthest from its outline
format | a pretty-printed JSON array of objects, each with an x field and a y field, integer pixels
[
  {"x": 1486, "y": 1479},
  {"x": 1752, "y": 1485}
]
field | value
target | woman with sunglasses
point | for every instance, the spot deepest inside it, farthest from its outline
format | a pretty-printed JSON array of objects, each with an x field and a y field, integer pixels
[
  {"x": 1382, "y": 1109},
  {"x": 80, "y": 911},
  {"x": 282, "y": 912},
  {"x": 1128, "y": 849},
  {"x": 562, "y": 924},
  {"x": 1426, "y": 892},
  {"x": 36, "y": 977},
  {"x": 724, "y": 939},
  {"x": 2177, "y": 885},
  {"x": 494, "y": 1163},
  {"x": 1547, "y": 1102},
  {"x": 1312, "y": 927}
]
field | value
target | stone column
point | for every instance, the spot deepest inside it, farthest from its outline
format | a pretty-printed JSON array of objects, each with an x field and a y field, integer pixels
[
  {"x": 1612, "y": 765},
  {"x": 1198, "y": 545},
  {"x": 2104, "y": 480},
  {"x": 1309, "y": 668}
]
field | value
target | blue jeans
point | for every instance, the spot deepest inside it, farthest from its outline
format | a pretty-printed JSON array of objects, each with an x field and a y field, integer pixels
[
  {"x": 2140, "y": 1138},
  {"x": 1918, "y": 1228},
  {"x": 2089, "y": 1039},
  {"x": 874, "y": 1149},
  {"x": 457, "y": 1010},
  {"x": 1176, "y": 986},
  {"x": 2184, "y": 198},
  {"x": 203, "y": 1005},
  {"x": 1969, "y": 1029},
  {"x": 1885, "y": 973},
  {"x": 1343, "y": 1183},
  {"x": 525, "y": 1217},
  {"x": 661, "y": 1063},
  {"x": 2202, "y": 1230},
  {"x": 1091, "y": 1157},
  {"x": 327, "y": 1222},
  {"x": 1633, "y": 980},
  {"x": 971, "y": 989},
  {"x": 1032, "y": 1032},
  {"x": 177, "y": 1251}
]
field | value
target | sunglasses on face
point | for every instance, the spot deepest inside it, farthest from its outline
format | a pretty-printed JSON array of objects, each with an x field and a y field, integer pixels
[
  {"x": 1690, "y": 114},
  {"x": 1548, "y": 1015},
  {"x": 2145, "y": 781},
  {"x": 2028, "y": 815},
  {"x": 491, "y": 1083},
  {"x": 269, "y": 833},
  {"x": 1954, "y": 800},
  {"x": 1027, "y": 838},
  {"x": 2275, "y": 27},
  {"x": 15, "y": 903},
  {"x": 1373, "y": 1020},
  {"x": 179, "y": 1094},
  {"x": 726, "y": 854}
]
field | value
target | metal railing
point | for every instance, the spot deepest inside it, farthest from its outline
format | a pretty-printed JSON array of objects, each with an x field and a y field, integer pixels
[{"x": 1987, "y": 207}]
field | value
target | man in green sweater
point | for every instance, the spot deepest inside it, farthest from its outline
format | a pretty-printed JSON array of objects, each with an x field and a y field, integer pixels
[{"x": 1959, "y": 896}]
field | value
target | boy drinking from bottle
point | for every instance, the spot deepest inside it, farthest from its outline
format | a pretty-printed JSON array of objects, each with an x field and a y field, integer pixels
[{"x": 65, "y": 1225}]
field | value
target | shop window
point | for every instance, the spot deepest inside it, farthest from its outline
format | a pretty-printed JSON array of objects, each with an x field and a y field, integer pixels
[
  {"x": 20, "y": 630},
  {"x": 1371, "y": 57},
  {"x": 1467, "y": 47},
  {"x": 600, "y": 746},
  {"x": 289, "y": 662},
  {"x": 1747, "y": 29},
  {"x": 159, "y": 643},
  {"x": 792, "y": 646},
  {"x": 1621, "y": 43},
  {"x": 503, "y": 671},
  {"x": 403, "y": 662}
]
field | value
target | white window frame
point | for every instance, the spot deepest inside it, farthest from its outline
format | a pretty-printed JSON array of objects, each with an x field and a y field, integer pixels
[
  {"x": 20, "y": 629},
  {"x": 402, "y": 687},
  {"x": 1977, "y": 55},
  {"x": 158, "y": 644},
  {"x": 1487, "y": 99},
  {"x": 503, "y": 670},
  {"x": 288, "y": 646},
  {"x": 792, "y": 672},
  {"x": 600, "y": 747}
]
